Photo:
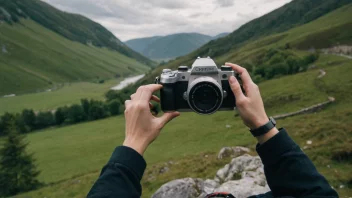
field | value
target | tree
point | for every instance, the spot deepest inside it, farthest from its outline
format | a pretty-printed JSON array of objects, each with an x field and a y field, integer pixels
[
  {"x": 60, "y": 115},
  {"x": 44, "y": 119},
  {"x": 75, "y": 114},
  {"x": 5, "y": 122},
  {"x": 97, "y": 110},
  {"x": 18, "y": 172},
  {"x": 85, "y": 105},
  {"x": 29, "y": 118},
  {"x": 114, "y": 107}
]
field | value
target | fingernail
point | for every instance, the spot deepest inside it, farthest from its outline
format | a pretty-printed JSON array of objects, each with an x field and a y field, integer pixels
[{"x": 233, "y": 80}]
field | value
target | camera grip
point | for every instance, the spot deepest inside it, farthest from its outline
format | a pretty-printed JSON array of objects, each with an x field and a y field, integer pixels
[{"x": 167, "y": 97}]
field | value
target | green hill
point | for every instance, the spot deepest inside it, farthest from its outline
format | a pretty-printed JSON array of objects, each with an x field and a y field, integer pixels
[
  {"x": 34, "y": 58},
  {"x": 170, "y": 46},
  {"x": 72, "y": 26},
  {"x": 326, "y": 31}
]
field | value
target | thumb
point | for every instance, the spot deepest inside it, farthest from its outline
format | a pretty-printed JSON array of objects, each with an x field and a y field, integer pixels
[
  {"x": 167, "y": 117},
  {"x": 235, "y": 87}
]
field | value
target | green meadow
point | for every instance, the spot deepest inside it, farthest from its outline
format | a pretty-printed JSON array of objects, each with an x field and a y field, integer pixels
[{"x": 71, "y": 157}]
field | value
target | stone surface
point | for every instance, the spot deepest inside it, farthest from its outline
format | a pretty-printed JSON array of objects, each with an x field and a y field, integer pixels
[
  {"x": 242, "y": 177},
  {"x": 180, "y": 188},
  {"x": 232, "y": 152}
]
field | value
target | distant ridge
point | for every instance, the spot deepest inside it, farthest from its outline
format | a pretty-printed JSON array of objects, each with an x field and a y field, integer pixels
[{"x": 170, "y": 46}]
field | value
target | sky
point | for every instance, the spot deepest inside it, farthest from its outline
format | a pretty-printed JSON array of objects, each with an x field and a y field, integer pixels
[{"x": 129, "y": 19}]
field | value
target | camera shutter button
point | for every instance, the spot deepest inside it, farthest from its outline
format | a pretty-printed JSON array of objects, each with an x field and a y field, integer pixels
[
  {"x": 166, "y": 70},
  {"x": 226, "y": 68},
  {"x": 183, "y": 68}
]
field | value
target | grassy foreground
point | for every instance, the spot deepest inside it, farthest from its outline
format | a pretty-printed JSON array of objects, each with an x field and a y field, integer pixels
[{"x": 70, "y": 158}]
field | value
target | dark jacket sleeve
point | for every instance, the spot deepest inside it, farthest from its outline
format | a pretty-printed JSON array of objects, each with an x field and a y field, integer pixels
[
  {"x": 121, "y": 176},
  {"x": 289, "y": 171}
]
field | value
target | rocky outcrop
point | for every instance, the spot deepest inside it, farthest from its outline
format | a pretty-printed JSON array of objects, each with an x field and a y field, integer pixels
[
  {"x": 232, "y": 152},
  {"x": 242, "y": 177}
]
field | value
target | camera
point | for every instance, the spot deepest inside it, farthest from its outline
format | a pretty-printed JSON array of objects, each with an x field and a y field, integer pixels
[{"x": 203, "y": 88}]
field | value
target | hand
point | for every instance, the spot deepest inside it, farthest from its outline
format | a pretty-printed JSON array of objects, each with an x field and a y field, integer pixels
[
  {"x": 142, "y": 128},
  {"x": 249, "y": 106}
]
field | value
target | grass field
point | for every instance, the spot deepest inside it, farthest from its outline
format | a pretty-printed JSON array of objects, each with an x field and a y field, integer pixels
[
  {"x": 66, "y": 95},
  {"x": 70, "y": 158},
  {"x": 36, "y": 59}
]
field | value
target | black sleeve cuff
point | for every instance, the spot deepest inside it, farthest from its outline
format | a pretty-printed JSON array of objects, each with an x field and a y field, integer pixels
[
  {"x": 271, "y": 151},
  {"x": 130, "y": 158}
]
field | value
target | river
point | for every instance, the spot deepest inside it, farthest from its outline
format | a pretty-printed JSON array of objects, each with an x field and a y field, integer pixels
[{"x": 127, "y": 81}]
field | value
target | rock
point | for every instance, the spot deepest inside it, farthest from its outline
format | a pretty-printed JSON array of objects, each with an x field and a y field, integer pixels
[
  {"x": 242, "y": 177},
  {"x": 238, "y": 166},
  {"x": 243, "y": 188},
  {"x": 164, "y": 170},
  {"x": 232, "y": 151},
  {"x": 309, "y": 142},
  {"x": 228, "y": 126},
  {"x": 180, "y": 188}
]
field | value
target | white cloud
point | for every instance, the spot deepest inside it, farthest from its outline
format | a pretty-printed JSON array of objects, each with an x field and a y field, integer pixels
[{"x": 129, "y": 19}]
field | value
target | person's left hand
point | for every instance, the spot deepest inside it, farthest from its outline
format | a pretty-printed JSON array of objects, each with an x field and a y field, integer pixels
[{"x": 142, "y": 128}]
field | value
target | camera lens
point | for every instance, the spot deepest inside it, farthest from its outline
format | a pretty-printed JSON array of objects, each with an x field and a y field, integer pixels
[{"x": 205, "y": 97}]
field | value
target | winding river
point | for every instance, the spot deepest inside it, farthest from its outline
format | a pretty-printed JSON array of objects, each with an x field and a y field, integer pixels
[{"x": 127, "y": 81}]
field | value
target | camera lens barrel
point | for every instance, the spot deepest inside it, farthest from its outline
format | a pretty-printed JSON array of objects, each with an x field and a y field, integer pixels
[{"x": 205, "y": 95}]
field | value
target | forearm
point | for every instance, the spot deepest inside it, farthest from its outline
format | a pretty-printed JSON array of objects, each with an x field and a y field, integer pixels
[
  {"x": 121, "y": 176},
  {"x": 289, "y": 171}
]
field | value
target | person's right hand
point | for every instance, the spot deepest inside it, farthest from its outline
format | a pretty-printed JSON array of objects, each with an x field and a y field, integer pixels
[{"x": 249, "y": 105}]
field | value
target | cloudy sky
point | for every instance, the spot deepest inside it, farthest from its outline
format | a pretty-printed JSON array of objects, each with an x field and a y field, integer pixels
[{"x": 129, "y": 19}]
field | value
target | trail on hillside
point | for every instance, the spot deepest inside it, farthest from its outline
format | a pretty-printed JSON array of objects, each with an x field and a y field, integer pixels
[{"x": 310, "y": 109}]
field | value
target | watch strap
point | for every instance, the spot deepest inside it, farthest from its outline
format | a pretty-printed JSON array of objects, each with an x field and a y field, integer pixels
[{"x": 264, "y": 129}]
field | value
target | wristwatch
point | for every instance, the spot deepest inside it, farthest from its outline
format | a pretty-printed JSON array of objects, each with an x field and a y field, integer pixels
[{"x": 264, "y": 129}]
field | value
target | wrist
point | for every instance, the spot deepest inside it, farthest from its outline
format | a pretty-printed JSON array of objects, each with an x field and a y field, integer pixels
[
  {"x": 259, "y": 122},
  {"x": 263, "y": 138},
  {"x": 138, "y": 146}
]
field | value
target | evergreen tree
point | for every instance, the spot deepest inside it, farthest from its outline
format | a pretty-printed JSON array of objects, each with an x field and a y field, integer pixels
[{"x": 18, "y": 172}]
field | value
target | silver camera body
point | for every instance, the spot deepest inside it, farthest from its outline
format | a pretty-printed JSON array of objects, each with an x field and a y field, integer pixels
[{"x": 203, "y": 88}]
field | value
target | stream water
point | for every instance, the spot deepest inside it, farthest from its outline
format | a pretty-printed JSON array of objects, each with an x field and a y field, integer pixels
[{"x": 127, "y": 81}]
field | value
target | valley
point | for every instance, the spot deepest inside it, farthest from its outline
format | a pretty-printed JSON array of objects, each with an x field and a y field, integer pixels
[{"x": 299, "y": 55}]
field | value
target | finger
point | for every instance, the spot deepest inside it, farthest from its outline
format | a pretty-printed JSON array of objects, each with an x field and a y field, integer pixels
[
  {"x": 133, "y": 96},
  {"x": 236, "y": 88},
  {"x": 246, "y": 78},
  {"x": 145, "y": 92},
  {"x": 167, "y": 117},
  {"x": 127, "y": 102},
  {"x": 155, "y": 98},
  {"x": 151, "y": 106}
]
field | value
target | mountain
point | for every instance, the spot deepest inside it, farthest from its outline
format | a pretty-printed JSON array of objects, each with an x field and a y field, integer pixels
[
  {"x": 170, "y": 46},
  {"x": 293, "y": 14},
  {"x": 42, "y": 47},
  {"x": 220, "y": 35},
  {"x": 314, "y": 24},
  {"x": 72, "y": 26}
]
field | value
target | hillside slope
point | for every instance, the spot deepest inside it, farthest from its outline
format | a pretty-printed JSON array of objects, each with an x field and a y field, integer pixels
[
  {"x": 170, "y": 46},
  {"x": 72, "y": 26},
  {"x": 33, "y": 58},
  {"x": 331, "y": 29},
  {"x": 293, "y": 14}
]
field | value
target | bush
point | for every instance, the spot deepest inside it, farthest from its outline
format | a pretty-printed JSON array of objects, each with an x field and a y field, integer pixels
[
  {"x": 114, "y": 107},
  {"x": 29, "y": 118},
  {"x": 97, "y": 111},
  {"x": 44, "y": 119},
  {"x": 75, "y": 114},
  {"x": 61, "y": 115}
]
